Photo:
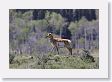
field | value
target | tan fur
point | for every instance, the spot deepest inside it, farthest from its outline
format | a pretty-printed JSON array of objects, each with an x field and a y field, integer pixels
[{"x": 54, "y": 43}]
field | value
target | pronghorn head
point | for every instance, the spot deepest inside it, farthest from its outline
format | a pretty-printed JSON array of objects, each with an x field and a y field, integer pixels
[{"x": 49, "y": 35}]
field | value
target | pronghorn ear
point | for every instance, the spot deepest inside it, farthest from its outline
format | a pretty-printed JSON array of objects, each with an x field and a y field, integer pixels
[{"x": 50, "y": 34}]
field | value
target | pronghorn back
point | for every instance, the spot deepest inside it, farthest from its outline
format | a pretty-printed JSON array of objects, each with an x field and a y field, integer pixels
[{"x": 67, "y": 42}]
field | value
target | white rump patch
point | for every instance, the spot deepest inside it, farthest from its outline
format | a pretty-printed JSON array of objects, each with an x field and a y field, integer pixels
[{"x": 70, "y": 44}]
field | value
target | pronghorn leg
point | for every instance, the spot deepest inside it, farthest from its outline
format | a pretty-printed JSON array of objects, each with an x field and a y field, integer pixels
[
  {"x": 52, "y": 50},
  {"x": 57, "y": 49},
  {"x": 68, "y": 46},
  {"x": 70, "y": 50}
]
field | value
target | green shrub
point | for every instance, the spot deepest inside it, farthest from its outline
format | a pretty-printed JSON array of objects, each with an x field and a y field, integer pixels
[
  {"x": 52, "y": 61},
  {"x": 57, "y": 58},
  {"x": 11, "y": 57}
]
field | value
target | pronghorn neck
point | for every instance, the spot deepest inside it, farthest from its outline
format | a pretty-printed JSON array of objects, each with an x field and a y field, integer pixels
[{"x": 51, "y": 39}]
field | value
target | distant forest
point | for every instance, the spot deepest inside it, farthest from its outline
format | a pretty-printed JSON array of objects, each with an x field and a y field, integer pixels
[
  {"x": 69, "y": 14},
  {"x": 28, "y": 27}
]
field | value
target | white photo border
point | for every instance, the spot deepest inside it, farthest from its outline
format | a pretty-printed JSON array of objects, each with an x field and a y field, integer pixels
[{"x": 102, "y": 72}]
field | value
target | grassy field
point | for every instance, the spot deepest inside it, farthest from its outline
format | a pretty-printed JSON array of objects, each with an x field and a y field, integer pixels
[{"x": 54, "y": 61}]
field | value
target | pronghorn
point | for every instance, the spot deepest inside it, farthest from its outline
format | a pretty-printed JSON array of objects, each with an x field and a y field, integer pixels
[{"x": 55, "y": 41}]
